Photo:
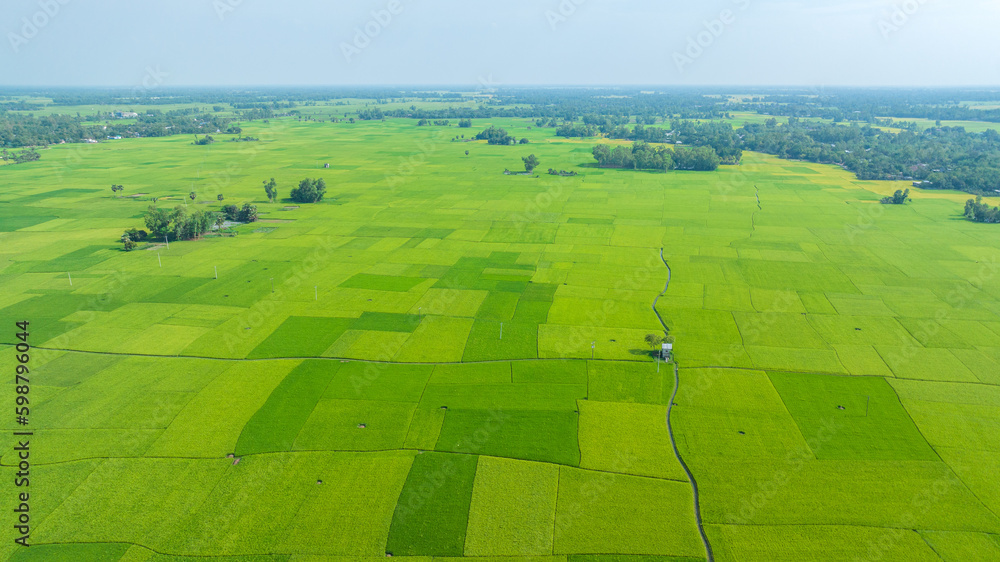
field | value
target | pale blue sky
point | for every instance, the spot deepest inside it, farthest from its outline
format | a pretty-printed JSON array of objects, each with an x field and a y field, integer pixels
[{"x": 509, "y": 42}]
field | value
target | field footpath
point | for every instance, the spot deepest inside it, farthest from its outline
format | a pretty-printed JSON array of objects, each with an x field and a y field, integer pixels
[{"x": 670, "y": 430}]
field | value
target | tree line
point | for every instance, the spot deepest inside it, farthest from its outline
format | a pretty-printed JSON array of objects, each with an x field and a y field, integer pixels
[{"x": 644, "y": 156}]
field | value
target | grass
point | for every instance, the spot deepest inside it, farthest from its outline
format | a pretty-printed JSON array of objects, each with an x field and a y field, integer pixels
[{"x": 398, "y": 284}]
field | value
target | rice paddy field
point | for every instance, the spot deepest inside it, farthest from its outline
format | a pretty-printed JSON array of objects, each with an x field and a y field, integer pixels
[{"x": 442, "y": 361}]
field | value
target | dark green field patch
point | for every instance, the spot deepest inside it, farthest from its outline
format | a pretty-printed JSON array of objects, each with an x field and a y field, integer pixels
[
  {"x": 856, "y": 418},
  {"x": 544, "y": 292},
  {"x": 77, "y": 260},
  {"x": 387, "y": 322},
  {"x": 178, "y": 286},
  {"x": 45, "y": 312},
  {"x": 439, "y": 233},
  {"x": 379, "y": 381},
  {"x": 15, "y": 217},
  {"x": 532, "y": 435},
  {"x": 432, "y": 514},
  {"x": 275, "y": 425},
  {"x": 393, "y": 283},
  {"x": 588, "y": 220},
  {"x": 302, "y": 336}
]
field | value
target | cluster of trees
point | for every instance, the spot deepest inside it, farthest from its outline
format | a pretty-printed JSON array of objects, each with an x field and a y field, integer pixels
[
  {"x": 309, "y": 191},
  {"x": 555, "y": 172},
  {"x": 721, "y": 137},
  {"x": 207, "y": 139},
  {"x": 576, "y": 130},
  {"x": 26, "y": 155},
  {"x": 977, "y": 211},
  {"x": 19, "y": 130},
  {"x": 898, "y": 198},
  {"x": 644, "y": 156},
  {"x": 699, "y": 159},
  {"x": 375, "y": 114},
  {"x": 245, "y": 214},
  {"x": 131, "y": 238},
  {"x": 947, "y": 157},
  {"x": 179, "y": 224},
  {"x": 465, "y": 123},
  {"x": 641, "y": 156},
  {"x": 496, "y": 135},
  {"x": 115, "y": 189},
  {"x": 438, "y": 122}
]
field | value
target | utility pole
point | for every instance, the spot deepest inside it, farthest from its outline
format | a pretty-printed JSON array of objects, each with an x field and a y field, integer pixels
[{"x": 158, "y": 259}]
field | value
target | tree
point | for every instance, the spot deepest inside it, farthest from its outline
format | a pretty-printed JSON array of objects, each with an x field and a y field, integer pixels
[
  {"x": 128, "y": 243},
  {"x": 231, "y": 212},
  {"x": 309, "y": 191},
  {"x": 898, "y": 198},
  {"x": 248, "y": 213},
  {"x": 653, "y": 341},
  {"x": 192, "y": 195},
  {"x": 271, "y": 188},
  {"x": 530, "y": 163},
  {"x": 466, "y": 152},
  {"x": 157, "y": 221},
  {"x": 220, "y": 197}
]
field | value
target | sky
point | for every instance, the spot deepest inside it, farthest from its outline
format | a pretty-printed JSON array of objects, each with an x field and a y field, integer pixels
[{"x": 817, "y": 43}]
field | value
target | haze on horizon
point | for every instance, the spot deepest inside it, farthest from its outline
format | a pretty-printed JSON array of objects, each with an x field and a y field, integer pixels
[{"x": 516, "y": 42}]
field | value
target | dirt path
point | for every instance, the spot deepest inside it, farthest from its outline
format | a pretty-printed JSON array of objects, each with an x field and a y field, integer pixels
[{"x": 670, "y": 429}]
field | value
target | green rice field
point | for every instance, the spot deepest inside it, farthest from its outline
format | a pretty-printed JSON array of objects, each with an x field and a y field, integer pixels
[{"x": 443, "y": 361}]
